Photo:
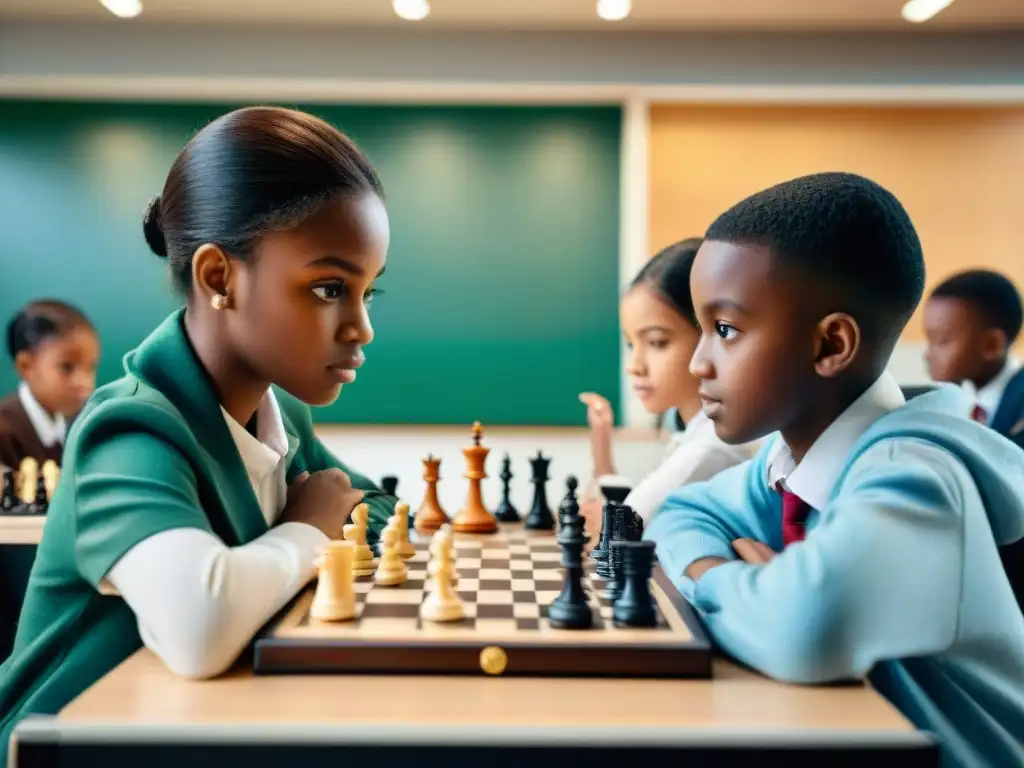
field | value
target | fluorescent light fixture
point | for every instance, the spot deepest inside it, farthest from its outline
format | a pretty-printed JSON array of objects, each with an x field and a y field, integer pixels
[
  {"x": 613, "y": 10},
  {"x": 412, "y": 10},
  {"x": 125, "y": 9},
  {"x": 917, "y": 11}
]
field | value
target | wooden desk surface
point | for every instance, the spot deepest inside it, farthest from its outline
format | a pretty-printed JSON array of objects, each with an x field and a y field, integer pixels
[
  {"x": 21, "y": 529},
  {"x": 141, "y": 692},
  {"x": 142, "y": 714}
]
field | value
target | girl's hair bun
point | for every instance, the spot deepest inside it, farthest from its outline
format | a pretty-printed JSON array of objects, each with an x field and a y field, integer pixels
[{"x": 153, "y": 229}]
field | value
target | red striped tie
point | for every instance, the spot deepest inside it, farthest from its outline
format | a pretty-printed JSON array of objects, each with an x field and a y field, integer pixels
[
  {"x": 794, "y": 516},
  {"x": 979, "y": 415}
]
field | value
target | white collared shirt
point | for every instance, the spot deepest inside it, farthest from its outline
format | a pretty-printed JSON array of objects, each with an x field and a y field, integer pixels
[
  {"x": 694, "y": 454},
  {"x": 50, "y": 429},
  {"x": 264, "y": 456},
  {"x": 812, "y": 479},
  {"x": 990, "y": 395},
  {"x": 197, "y": 601}
]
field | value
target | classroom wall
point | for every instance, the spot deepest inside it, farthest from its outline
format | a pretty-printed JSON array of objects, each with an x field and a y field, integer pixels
[{"x": 959, "y": 172}]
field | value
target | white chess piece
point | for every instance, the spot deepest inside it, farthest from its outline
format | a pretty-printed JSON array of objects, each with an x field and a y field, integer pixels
[
  {"x": 401, "y": 518},
  {"x": 442, "y": 602},
  {"x": 355, "y": 532},
  {"x": 335, "y": 599},
  {"x": 391, "y": 571}
]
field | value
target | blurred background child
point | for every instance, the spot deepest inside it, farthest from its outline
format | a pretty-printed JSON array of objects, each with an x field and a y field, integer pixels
[
  {"x": 55, "y": 349},
  {"x": 657, "y": 319}
]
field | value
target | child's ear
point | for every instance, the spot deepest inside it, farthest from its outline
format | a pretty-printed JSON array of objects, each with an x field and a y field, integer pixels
[
  {"x": 994, "y": 345},
  {"x": 838, "y": 341},
  {"x": 211, "y": 273},
  {"x": 23, "y": 363}
]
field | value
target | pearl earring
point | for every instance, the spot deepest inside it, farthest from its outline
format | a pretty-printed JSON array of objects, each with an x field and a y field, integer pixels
[{"x": 219, "y": 301}]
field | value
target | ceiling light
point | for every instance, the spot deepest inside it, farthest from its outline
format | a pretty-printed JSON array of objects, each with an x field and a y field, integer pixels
[
  {"x": 916, "y": 11},
  {"x": 613, "y": 10},
  {"x": 412, "y": 10},
  {"x": 125, "y": 9}
]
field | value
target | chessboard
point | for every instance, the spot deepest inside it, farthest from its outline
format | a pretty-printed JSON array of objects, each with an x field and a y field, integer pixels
[
  {"x": 506, "y": 580},
  {"x": 27, "y": 493}
]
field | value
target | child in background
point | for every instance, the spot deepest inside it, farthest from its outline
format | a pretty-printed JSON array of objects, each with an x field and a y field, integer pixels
[
  {"x": 195, "y": 496},
  {"x": 55, "y": 350},
  {"x": 862, "y": 540},
  {"x": 971, "y": 320},
  {"x": 656, "y": 315}
]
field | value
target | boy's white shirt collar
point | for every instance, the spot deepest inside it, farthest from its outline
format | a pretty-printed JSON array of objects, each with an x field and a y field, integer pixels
[
  {"x": 812, "y": 478},
  {"x": 989, "y": 396},
  {"x": 263, "y": 453},
  {"x": 51, "y": 430}
]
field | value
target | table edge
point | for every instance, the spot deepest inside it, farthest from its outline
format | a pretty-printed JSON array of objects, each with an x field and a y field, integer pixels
[{"x": 39, "y": 730}]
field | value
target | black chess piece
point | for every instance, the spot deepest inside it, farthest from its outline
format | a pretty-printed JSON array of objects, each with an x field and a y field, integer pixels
[
  {"x": 570, "y": 504},
  {"x": 9, "y": 501},
  {"x": 635, "y": 606},
  {"x": 41, "y": 502},
  {"x": 621, "y": 519},
  {"x": 389, "y": 484},
  {"x": 540, "y": 517},
  {"x": 506, "y": 513},
  {"x": 601, "y": 549},
  {"x": 616, "y": 493},
  {"x": 570, "y": 610}
]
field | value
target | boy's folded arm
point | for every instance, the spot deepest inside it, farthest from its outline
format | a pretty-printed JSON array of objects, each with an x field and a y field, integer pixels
[
  {"x": 702, "y": 520},
  {"x": 878, "y": 578},
  {"x": 140, "y": 528}
]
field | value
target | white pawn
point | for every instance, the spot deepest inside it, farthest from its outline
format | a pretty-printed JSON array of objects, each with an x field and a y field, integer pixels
[
  {"x": 442, "y": 602},
  {"x": 355, "y": 532},
  {"x": 401, "y": 518},
  {"x": 391, "y": 570},
  {"x": 335, "y": 598}
]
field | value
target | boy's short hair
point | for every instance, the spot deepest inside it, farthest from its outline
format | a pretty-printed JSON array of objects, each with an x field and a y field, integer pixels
[
  {"x": 845, "y": 232},
  {"x": 990, "y": 294}
]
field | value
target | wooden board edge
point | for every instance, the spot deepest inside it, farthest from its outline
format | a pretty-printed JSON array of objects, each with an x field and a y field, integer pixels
[
  {"x": 683, "y": 608},
  {"x": 276, "y": 656}
]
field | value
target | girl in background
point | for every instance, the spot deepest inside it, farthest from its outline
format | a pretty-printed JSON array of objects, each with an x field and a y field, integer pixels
[
  {"x": 55, "y": 349},
  {"x": 657, "y": 319}
]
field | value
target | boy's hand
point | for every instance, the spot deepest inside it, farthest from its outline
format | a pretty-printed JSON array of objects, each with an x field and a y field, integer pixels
[
  {"x": 699, "y": 567},
  {"x": 752, "y": 551}
]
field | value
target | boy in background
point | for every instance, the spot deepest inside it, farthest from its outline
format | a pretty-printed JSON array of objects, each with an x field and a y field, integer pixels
[
  {"x": 971, "y": 320},
  {"x": 862, "y": 540}
]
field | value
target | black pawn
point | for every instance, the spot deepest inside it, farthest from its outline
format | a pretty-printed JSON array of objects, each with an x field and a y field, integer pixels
[
  {"x": 570, "y": 504},
  {"x": 40, "y": 504},
  {"x": 506, "y": 513},
  {"x": 540, "y": 517},
  {"x": 570, "y": 610},
  {"x": 635, "y": 606},
  {"x": 9, "y": 501},
  {"x": 389, "y": 484}
]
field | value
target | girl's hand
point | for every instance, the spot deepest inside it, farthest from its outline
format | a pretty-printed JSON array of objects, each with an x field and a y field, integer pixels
[{"x": 600, "y": 416}]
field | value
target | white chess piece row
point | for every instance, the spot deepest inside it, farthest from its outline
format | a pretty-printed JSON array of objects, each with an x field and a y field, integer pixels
[{"x": 341, "y": 561}]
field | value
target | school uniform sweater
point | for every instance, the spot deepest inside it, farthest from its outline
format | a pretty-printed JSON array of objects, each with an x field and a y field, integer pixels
[
  {"x": 898, "y": 578},
  {"x": 28, "y": 431},
  {"x": 153, "y": 473}
]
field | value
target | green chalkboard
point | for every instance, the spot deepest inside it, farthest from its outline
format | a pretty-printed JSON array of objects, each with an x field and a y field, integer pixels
[{"x": 501, "y": 290}]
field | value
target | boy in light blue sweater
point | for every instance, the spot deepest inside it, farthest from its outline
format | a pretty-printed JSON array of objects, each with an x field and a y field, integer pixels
[{"x": 862, "y": 540}]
